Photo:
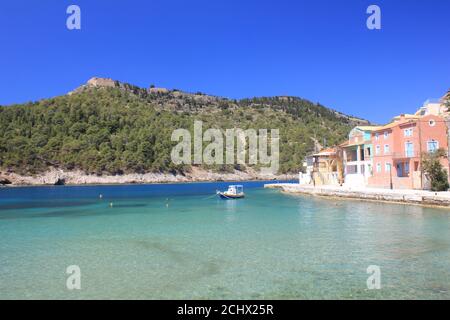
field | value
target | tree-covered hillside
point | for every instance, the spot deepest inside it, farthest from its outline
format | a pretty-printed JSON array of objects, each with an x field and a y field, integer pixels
[{"x": 120, "y": 128}]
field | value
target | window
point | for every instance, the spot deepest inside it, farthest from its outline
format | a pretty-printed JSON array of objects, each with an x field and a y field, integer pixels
[
  {"x": 386, "y": 134},
  {"x": 377, "y": 150},
  {"x": 376, "y": 136},
  {"x": 408, "y": 132},
  {"x": 378, "y": 167},
  {"x": 409, "y": 149},
  {"x": 386, "y": 148},
  {"x": 432, "y": 123},
  {"x": 432, "y": 146},
  {"x": 387, "y": 167}
]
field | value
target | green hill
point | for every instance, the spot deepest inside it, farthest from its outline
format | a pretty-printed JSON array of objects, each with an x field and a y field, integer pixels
[{"x": 108, "y": 127}]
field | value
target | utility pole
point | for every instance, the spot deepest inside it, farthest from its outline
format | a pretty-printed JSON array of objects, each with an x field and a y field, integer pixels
[
  {"x": 390, "y": 176},
  {"x": 315, "y": 142},
  {"x": 313, "y": 171},
  {"x": 420, "y": 153}
]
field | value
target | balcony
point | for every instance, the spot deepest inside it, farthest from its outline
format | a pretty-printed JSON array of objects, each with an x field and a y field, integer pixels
[{"x": 405, "y": 155}]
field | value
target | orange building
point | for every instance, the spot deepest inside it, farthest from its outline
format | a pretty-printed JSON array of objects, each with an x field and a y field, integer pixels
[{"x": 397, "y": 149}]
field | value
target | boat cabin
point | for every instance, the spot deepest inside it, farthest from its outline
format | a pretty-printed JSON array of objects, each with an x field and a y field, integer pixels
[{"x": 235, "y": 190}]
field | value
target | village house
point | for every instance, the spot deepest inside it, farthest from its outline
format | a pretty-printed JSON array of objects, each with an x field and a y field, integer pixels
[
  {"x": 357, "y": 156},
  {"x": 322, "y": 168},
  {"x": 398, "y": 149},
  {"x": 437, "y": 107},
  {"x": 386, "y": 156}
]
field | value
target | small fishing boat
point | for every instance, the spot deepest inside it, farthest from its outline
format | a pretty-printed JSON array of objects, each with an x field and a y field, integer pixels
[{"x": 233, "y": 192}]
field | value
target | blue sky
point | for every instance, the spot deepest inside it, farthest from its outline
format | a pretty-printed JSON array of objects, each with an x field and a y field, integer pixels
[{"x": 317, "y": 49}]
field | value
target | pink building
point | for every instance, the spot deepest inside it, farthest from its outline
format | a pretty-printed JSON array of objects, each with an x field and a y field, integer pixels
[{"x": 397, "y": 148}]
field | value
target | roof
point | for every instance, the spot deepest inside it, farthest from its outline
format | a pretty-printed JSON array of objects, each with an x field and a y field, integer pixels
[
  {"x": 325, "y": 152},
  {"x": 416, "y": 115},
  {"x": 359, "y": 143},
  {"x": 367, "y": 128},
  {"x": 391, "y": 125},
  {"x": 332, "y": 150},
  {"x": 409, "y": 118}
]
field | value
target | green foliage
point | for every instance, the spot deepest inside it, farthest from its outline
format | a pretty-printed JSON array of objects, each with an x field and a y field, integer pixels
[
  {"x": 434, "y": 171},
  {"x": 123, "y": 130}
]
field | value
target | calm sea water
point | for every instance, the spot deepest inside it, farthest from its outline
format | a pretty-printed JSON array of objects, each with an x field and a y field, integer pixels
[{"x": 180, "y": 242}]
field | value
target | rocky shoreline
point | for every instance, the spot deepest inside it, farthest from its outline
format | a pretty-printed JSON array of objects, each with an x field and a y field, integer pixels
[{"x": 60, "y": 177}]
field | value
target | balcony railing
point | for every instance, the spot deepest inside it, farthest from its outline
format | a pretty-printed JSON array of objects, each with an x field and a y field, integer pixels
[{"x": 405, "y": 154}]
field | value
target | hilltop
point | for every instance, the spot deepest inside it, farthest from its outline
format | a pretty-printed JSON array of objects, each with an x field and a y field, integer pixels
[{"x": 110, "y": 128}]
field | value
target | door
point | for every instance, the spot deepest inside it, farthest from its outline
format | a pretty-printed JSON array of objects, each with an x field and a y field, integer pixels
[{"x": 399, "y": 169}]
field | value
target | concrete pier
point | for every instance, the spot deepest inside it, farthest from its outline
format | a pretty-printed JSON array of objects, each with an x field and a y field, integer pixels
[{"x": 420, "y": 197}]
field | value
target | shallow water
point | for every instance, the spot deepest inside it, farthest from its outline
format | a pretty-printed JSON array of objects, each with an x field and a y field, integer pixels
[{"x": 177, "y": 241}]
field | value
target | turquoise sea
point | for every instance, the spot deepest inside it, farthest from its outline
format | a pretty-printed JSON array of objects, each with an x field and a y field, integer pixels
[{"x": 179, "y": 241}]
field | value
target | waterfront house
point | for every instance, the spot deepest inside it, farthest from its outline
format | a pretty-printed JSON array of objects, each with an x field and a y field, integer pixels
[
  {"x": 386, "y": 156},
  {"x": 306, "y": 177},
  {"x": 357, "y": 156},
  {"x": 398, "y": 147},
  {"x": 322, "y": 168},
  {"x": 435, "y": 107}
]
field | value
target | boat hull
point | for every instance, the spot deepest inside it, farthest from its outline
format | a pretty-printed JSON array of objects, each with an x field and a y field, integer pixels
[{"x": 222, "y": 195}]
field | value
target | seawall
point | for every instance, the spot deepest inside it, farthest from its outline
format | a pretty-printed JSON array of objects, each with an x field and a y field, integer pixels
[{"x": 419, "y": 197}]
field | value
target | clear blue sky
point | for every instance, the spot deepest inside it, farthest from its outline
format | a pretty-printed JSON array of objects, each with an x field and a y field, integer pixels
[{"x": 317, "y": 49}]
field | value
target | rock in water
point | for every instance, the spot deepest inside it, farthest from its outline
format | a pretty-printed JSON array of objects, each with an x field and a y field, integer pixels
[
  {"x": 60, "y": 182},
  {"x": 4, "y": 181}
]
